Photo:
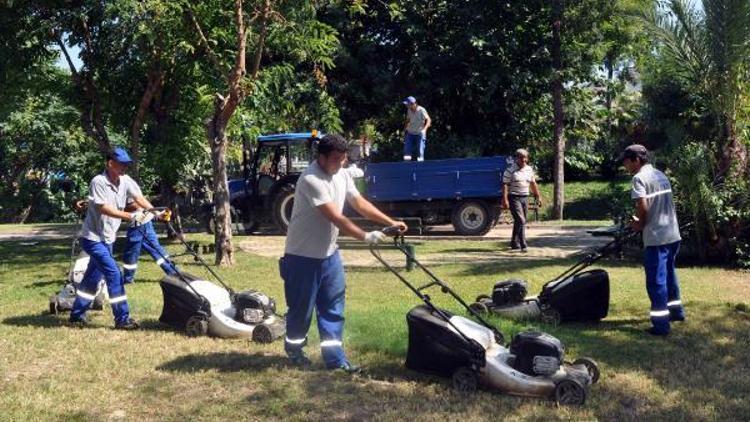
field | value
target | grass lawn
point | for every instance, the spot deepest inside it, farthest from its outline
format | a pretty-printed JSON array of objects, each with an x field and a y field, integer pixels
[{"x": 52, "y": 372}]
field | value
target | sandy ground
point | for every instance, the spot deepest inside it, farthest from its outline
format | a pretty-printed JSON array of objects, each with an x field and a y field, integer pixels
[{"x": 544, "y": 242}]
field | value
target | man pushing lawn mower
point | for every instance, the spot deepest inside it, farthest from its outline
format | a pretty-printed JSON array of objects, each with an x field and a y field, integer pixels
[
  {"x": 108, "y": 195},
  {"x": 311, "y": 267}
]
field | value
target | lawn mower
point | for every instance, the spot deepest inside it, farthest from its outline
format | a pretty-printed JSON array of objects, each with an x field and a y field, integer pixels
[
  {"x": 473, "y": 353},
  {"x": 201, "y": 307},
  {"x": 63, "y": 300},
  {"x": 574, "y": 295}
]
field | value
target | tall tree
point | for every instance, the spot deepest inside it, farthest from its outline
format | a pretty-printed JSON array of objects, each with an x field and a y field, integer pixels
[
  {"x": 709, "y": 49},
  {"x": 558, "y": 137}
]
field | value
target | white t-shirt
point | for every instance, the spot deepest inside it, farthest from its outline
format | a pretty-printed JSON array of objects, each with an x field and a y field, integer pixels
[
  {"x": 416, "y": 119},
  {"x": 661, "y": 226},
  {"x": 98, "y": 227},
  {"x": 518, "y": 180},
  {"x": 310, "y": 233}
]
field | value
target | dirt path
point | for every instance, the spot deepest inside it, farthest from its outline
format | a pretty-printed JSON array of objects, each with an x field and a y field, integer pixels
[{"x": 544, "y": 242}]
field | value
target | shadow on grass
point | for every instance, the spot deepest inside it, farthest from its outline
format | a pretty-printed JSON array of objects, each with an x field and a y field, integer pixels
[
  {"x": 225, "y": 362},
  {"x": 43, "y": 320}
]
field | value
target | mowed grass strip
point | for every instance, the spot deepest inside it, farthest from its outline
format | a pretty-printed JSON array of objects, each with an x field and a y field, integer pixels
[{"x": 49, "y": 371}]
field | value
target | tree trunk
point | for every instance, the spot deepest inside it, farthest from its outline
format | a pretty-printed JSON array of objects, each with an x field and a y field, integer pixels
[
  {"x": 558, "y": 138},
  {"x": 154, "y": 84},
  {"x": 222, "y": 217},
  {"x": 734, "y": 160}
]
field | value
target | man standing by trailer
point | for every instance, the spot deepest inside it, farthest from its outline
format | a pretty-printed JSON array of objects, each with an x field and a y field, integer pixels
[
  {"x": 517, "y": 181},
  {"x": 311, "y": 267},
  {"x": 656, "y": 217},
  {"x": 108, "y": 195},
  {"x": 417, "y": 123}
]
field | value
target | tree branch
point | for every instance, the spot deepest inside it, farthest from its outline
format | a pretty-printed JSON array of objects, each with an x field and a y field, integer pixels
[{"x": 204, "y": 41}]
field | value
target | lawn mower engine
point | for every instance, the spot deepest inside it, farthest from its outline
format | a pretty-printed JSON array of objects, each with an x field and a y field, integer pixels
[
  {"x": 536, "y": 353},
  {"x": 253, "y": 307},
  {"x": 509, "y": 292}
]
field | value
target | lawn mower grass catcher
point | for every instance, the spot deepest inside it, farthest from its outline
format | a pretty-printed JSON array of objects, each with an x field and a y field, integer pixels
[
  {"x": 201, "y": 307},
  {"x": 473, "y": 354},
  {"x": 63, "y": 300},
  {"x": 574, "y": 295}
]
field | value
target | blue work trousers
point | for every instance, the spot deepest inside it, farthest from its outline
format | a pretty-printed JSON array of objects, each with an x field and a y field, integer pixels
[
  {"x": 317, "y": 284},
  {"x": 414, "y": 146},
  {"x": 101, "y": 264},
  {"x": 662, "y": 285},
  {"x": 144, "y": 237}
]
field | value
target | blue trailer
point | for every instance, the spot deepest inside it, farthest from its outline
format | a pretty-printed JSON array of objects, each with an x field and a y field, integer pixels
[{"x": 464, "y": 192}]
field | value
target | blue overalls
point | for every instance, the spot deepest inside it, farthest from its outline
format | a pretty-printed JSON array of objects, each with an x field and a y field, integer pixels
[
  {"x": 144, "y": 237},
  {"x": 662, "y": 286},
  {"x": 101, "y": 264},
  {"x": 315, "y": 284}
]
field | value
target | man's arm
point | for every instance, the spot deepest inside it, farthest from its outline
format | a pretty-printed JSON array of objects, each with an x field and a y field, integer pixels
[
  {"x": 427, "y": 123},
  {"x": 535, "y": 191},
  {"x": 344, "y": 224},
  {"x": 641, "y": 212},
  {"x": 505, "y": 204},
  {"x": 111, "y": 211},
  {"x": 370, "y": 212},
  {"x": 142, "y": 202}
]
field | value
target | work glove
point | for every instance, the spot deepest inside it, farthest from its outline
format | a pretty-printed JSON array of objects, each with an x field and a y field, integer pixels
[
  {"x": 374, "y": 237},
  {"x": 140, "y": 218}
]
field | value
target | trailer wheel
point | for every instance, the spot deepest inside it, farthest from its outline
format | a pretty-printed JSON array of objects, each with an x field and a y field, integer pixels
[
  {"x": 465, "y": 380},
  {"x": 282, "y": 205},
  {"x": 591, "y": 367},
  {"x": 196, "y": 326},
  {"x": 471, "y": 218},
  {"x": 570, "y": 392}
]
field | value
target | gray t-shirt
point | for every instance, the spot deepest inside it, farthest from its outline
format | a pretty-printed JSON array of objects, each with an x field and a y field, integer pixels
[
  {"x": 518, "y": 180},
  {"x": 417, "y": 119},
  {"x": 103, "y": 228},
  {"x": 310, "y": 233},
  {"x": 661, "y": 226}
]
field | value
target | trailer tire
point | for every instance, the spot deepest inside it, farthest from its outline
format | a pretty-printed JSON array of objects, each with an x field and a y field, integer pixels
[
  {"x": 472, "y": 218},
  {"x": 281, "y": 208}
]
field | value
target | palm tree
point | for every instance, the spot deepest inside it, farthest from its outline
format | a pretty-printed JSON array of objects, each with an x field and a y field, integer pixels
[{"x": 709, "y": 50}]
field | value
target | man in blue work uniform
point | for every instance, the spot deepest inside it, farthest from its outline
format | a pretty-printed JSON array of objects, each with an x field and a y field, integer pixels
[
  {"x": 144, "y": 237},
  {"x": 311, "y": 266},
  {"x": 108, "y": 195},
  {"x": 656, "y": 217}
]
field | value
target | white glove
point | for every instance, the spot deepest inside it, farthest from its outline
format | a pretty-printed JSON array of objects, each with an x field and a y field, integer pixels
[
  {"x": 140, "y": 218},
  {"x": 374, "y": 237}
]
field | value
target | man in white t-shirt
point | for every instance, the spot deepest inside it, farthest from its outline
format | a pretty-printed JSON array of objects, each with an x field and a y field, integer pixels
[
  {"x": 516, "y": 183},
  {"x": 656, "y": 217},
  {"x": 416, "y": 125},
  {"x": 311, "y": 267}
]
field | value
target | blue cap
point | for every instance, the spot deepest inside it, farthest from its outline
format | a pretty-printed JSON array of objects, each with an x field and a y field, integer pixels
[
  {"x": 410, "y": 100},
  {"x": 121, "y": 156}
]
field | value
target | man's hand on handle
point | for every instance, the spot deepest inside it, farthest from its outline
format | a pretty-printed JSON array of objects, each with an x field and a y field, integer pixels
[{"x": 374, "y": 237}]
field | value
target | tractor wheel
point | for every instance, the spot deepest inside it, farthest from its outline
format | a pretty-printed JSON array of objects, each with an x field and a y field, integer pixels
[{"x": 282, "y": 205}]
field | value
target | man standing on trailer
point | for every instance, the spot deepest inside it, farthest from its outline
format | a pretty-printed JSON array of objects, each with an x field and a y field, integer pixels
[
  {"x": 656, "y": 217},
  {"x": 108, "y": 195},
  {"x": 416, "y": 125},
  {"x": 311, "y": 267}
]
